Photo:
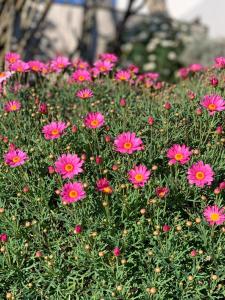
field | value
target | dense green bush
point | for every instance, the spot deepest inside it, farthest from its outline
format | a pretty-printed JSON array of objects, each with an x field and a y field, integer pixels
[{"x": 44, "y": 259}]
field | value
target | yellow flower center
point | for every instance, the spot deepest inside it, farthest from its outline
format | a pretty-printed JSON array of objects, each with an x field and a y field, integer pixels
[
  {"x": 35, "y": 68},
  {"x": 179, "y": 156},
  {"x": 16, "y": 159},
  {"x": 211, "y": 106},
  {"x": 200, "y": 175},
  {"x": 127, "y": 145},
  {"x": 19, "y": 69},
  {"x": 139, "y": 177},
  {"x": 73, "y": 194},
  {"x": 55, "y": 132},
  {"x": 69, "y": 167},
  {"x": 122, "y": 77},
  {"x": 2, "y": 74},
  {"x": 214, "y": 217},
  {"x": 107, "y": 190},
  {"x": 102, "y": 68},
  {"x": 81, "y": 78},
  {"x": 13, "y": 107},
  {"x": 94, "y": 123},
  {"x": 162, "y": 194},
  {"x": 12, "y": 60}
]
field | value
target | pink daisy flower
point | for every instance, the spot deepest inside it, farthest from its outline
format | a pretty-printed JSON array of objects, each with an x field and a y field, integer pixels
[
  {"x": 68, "y": 165},
  {"x": 54, "y": 130},
  {"x": 35, "y": 65},
  {"x": 220, "y": 62},
  {"x": 72, "y": 192},
  {"x": 214, "y": 215},
  {"x": 162, "y": 192},
  {"x": 94, "y": 120},
  {"x": 81, "y": 76},
  {"x": 127, "y": 142},
  {"x": 178, "y": 154},
  {"x": 183, "y": 73},
  {"x": 15, "y": 157},
  {"x": 84, "y": 93},
  {"x": 139, "y": 175},
  {"x": 109, "y": 57},
  {"x": 200, "y": 174},
  {"x": 12, "y": 106},
  {"x": 104, "y": 66},
  {"x": 104, "y": 186},
  {"x": 80, "y": 64},
  {"x": 195, "y": 68},
  {"x": 213, "y": 103},
  {"x": 11, "y": 57},
  {"x": 123, "y": 75},
  {"x": 59, "y": 63},
  {"x": 5, "y": 75},
  {"x": 19, "y": 66}
]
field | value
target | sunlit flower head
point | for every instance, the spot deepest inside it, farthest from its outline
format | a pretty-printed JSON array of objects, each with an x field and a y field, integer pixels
[
  {"x": 103, "y": 66},
  {"x": 5, "y": 75},
  {"x": 12, "y": 57},
  {"x": 200, "y": 174},
  {"x": 84, "y": 94},
  {"x": 72, "y": 192},
  {"x": 123, "y": 75},
  {"x": 214, "y": 215},
  {"x": 94, "y": 120},
  {"x": 109, "y": 57},
  {"x": 103, "y": 185},
  {"x": 68, "y": 165},
  {"x": 178, "y": 154},
  {"x": 15, "y": 157},
  {"x": 19, "y": 66},
  {"x": 54, "y": 130},
  {"x": 14, "y": 105},
  {"x": 127, "y": 142},
  {"x": 59, "y": 63},
  {"x": 81, "y": 76},
  {"x": 220, "y": 62},
  {"x": 139, "y": 175},
  {"x": 35, "y": 65},
  {"x": 213, "y": 103}
]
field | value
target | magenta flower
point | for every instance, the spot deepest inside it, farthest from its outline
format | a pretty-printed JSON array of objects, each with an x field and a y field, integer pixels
[
  {"x": 220, "y": 62},
  {"x": 103, "y": 185},
  {"x": 127, "y": 142},
  {"x": 81, "y": 76},
  {"x": 200, "y": 174},
  {"x": 84, "y": 93},
  {"x": 123, "y": 75},
  {"x": 3, "y": 237},
  {"x": 94, "y": 120},
  {"x": 12, "y": 57},
  {"x": 103, "y": 66},
  {"x": 68, "y": 165},
  {"x": 54, "y": 130},
  {"x": 19, "y": 66},
  {"x": 162, "y": 192},
  {"x": 59, "y": 63},
  {"x": 166, "y": 228},
  {"x": 178, "y": 154},
  {"x": 139, "y": 175},
  {"x": 5, "y": 75},
  {"x": 116, "y": 251},
  {"x": 214, "y": 215},
  {"x": 213, "y": 103},
  {"x": 72, "y": 192},
  {"x": 78, "y": 229},
  {"x": 35, "y": 65},
  {"x": 109, "y": 57},
  {"x": 15, "y": 158},
  {"x": 12, "y": 106}
]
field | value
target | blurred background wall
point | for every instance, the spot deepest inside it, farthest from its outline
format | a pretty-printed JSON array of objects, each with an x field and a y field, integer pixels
[{"x": 158, "y": 35}]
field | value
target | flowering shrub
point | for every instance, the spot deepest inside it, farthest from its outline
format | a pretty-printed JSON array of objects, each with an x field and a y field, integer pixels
[{"x": 112, "y": 183}]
